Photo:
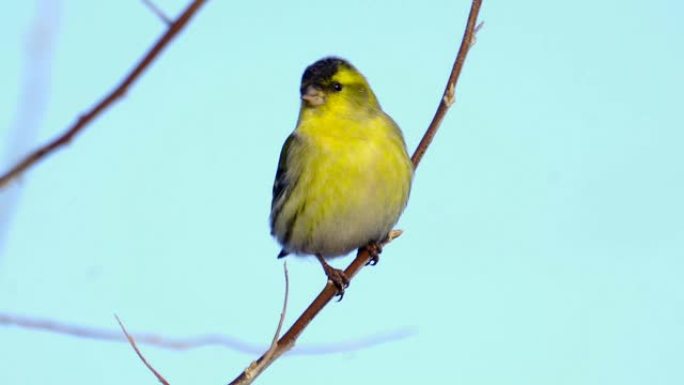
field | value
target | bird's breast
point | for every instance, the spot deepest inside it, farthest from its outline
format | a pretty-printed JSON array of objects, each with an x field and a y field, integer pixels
[{"x": 353, "y": 190}]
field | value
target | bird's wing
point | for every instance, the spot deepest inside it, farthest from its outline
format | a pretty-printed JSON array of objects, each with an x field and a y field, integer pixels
[{"x": 284, "y": 179}]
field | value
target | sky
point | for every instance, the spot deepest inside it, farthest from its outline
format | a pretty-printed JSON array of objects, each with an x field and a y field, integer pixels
[{"x": 544, "y": 236}]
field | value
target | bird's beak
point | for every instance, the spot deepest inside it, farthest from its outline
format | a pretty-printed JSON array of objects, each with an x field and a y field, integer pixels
[{"x": 313, "y": 96}]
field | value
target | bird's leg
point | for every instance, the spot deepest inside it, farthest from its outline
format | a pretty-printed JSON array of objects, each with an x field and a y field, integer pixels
[
  {"x": 336, "y": 276},
  {"x": 374, "y": 249}
]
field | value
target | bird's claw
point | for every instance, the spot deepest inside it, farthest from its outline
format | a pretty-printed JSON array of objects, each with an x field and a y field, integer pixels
[
  {"x": 374, "y": 249},
  {"x": 339, "y": 279}
]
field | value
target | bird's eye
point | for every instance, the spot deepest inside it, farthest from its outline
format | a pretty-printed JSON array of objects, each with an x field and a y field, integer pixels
[{"x": 336, "y": 86}]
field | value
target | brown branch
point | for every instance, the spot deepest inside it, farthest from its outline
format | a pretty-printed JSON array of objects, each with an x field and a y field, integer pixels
[
  {"x": 287, "y": 341},
  {"x": 362, "y": 257},
  {"x": 139, "y": 353},
  {"x": 449, "y": 96},
  {"x": 120, "y": 90}
]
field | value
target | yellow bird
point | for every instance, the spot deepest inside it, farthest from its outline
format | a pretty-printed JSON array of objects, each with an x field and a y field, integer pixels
[{"x": 344, "y": 175}]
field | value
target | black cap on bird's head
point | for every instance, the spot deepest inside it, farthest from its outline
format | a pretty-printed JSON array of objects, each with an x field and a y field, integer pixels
[
  {"x": 327, "y": 78},
  {"x": 317, "y": 80},
  {"x": 322, "y": 71}
]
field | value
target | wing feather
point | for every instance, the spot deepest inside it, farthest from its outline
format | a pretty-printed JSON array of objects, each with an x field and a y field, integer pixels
[{"x": 284, "y": 180}]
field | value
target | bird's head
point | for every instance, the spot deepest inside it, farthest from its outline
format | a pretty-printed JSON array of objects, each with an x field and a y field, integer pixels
[{"x": 333, "y": 83}]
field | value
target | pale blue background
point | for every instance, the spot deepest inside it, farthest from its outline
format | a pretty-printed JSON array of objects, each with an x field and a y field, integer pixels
[{"x": 544, "y": 238}]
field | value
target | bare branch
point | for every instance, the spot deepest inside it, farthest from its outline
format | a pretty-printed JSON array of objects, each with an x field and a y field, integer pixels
[
  {"x": 284, "y": 311},
  {"x": 139, "y": 353},
  {"x": 287, "y": 341},
  {"x": 120, "y": 90},
  {"x": 195, "y": 342},
  {"x": 362, "y": 257},
  {"x": 256, "y": 367},
  {"x": 448, "y": 98}
]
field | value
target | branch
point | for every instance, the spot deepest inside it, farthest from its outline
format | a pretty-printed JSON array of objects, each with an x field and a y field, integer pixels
[
  {"x": 120, "y": 90},
  {"x": 139, "y": 353},
  {"x": 194, "y": 342},
  {"x": 449, "y": 96},
  {"x": 287, "y": 341},
  {"x": 284, "y": 311},
  {"x": 257, "y": 367},
  {"x": 254, "y": 368}
]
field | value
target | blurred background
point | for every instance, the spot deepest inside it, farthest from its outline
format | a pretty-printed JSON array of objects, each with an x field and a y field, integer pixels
[{"x": 544, "y": 238}]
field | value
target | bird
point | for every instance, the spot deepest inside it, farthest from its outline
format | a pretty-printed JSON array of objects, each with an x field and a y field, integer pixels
[{"x": 344, "y": 176}]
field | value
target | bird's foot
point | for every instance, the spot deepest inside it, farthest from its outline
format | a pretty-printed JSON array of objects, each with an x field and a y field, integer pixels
[
  {"x": 374, "y": 249},
  {"x": 336, "y": 276}
]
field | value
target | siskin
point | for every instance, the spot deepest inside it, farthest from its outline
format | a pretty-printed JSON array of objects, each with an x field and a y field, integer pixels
[{"x": 344, "y": 175}]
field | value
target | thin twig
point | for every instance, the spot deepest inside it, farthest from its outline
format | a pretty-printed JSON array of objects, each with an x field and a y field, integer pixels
[
  {"x": 448, "y": 97},
  {"x": 195, "y": 342},
  {"x": 120, "y": 90},
  {"x": 362, "y": 256},
  {"x": 255, "y": 367},
  {"x": 274, "y": 342},
  {"x": 139, "y": 353},
  {"x": 157, "y": 11}
]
